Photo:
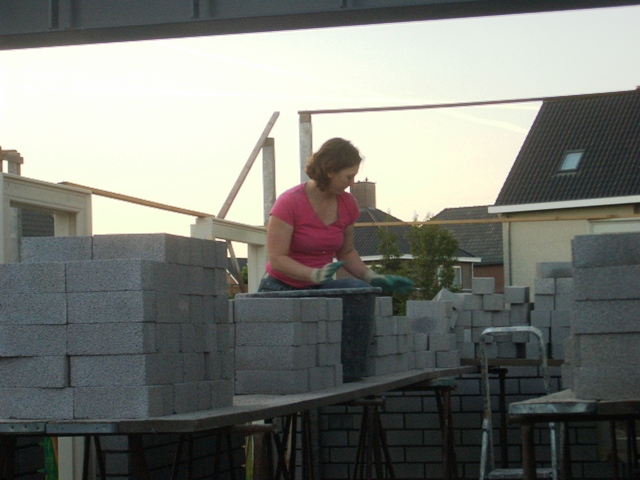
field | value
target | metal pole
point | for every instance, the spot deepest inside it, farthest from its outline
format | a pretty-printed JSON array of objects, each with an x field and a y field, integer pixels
[
  {"x": 268, "y": 176},
  {"x": 306, "y": 145}
]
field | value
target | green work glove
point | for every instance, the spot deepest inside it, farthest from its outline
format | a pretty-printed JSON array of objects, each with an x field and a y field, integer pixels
[
  {"x": 324, "y": 274},
  {"x": 389, "y": 283}
]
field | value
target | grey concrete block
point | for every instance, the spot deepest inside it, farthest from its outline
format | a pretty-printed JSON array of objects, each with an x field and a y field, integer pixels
[
  {"x": 33, "y": 340},
  {"x": 465, "y": 318},
  {"x": 334, "y": 308},
  {"x": 420, "y": 342},
  {"x": 168, "y": 337},
  {"x": 34, "y": 372},
  {"x": 192, "y": 338},
  {"x": 606, "y": 250},
  {"x": 430, "y": 325},
  {"x": 271, "y": 382},
  {"x": 32, "y": 278},
  {"x": 321, "y": 378},
  {"x": 493, "y": 302},
  {"x": 501, "y": 319},
  {"x": 515, "y": 294},
  {"x": 507, "y": 350},
  {"x": 607, "y": 382},
  {"x": 544, "y": 302},
  {"x": 609, "y": 349},
  {"x": 564, "y": 301},
  {"x": 607, "y": 283},
  {"x": 541, "y": 318},
  {"x": 158, "y": 247},
  {"x": 334, "y": 331},
  {"x": 425, "y": 359},
  {"x": 521, "y": 314},
  {"x": 268, "y": 310},
  {"x": 473, "y": 302},
  {"x": 554, "y": 270},
  {"x": 481, "y": 318},
  {"x": 466, "y": 349},
  {"x": 183, "y": 279},
  {"x": 111, "y": 339},
  {"x": 106, "y": 370},
  {"x": 55, "y": 249},
  {"x": 385, "y": 326},
  {"x": 34, "y": 309},
  {"x": 111, "y": 275},
  {"x": 222, "y": 393},
  {"x": 440, "y": 342},
  {"x": 271, "y": 334},
  {"x": 36, "y": 403},
  {"x": 564, "y": 286},
  {"x": 614, "y": 316},
  {"x": 313, "y": 309},
  {"x": 141, "y": 401},
  {"x": 112, "y": 307},
  {"x": 193, "y": 367},
  {"x": 450, "y": 359},
  {"x": 384, "y": 307},
  {"x": 544, "y": 286},
  {"x": 561, "y": 318},
  {"x": 383, "y": 346},
  {"x": 283, "y": 358},
  {"x": 173, "y": 308},
  {"x": 186, "y": 397},
  {"x": 483, "y": 285},
  {"x": 429, "y": 308}
]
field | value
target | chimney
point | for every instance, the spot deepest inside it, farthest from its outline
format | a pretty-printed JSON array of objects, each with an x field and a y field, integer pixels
[{"x": 365, "y": 193}]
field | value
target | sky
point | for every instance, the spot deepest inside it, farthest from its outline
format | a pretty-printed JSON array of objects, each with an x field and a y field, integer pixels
[{"x": 174, "y": 121}]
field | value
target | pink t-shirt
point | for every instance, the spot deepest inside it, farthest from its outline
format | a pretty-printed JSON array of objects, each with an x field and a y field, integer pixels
[{"x": 313, "y": 243}]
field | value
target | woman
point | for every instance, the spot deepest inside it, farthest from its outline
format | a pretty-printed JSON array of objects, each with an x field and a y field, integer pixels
[{"x": 312, "y": 223}]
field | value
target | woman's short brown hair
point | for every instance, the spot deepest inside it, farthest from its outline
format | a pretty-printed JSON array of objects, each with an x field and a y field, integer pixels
[{"x": 334, "y": 155}]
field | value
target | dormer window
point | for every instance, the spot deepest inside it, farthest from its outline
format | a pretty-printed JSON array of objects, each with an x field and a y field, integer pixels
[{"x": 571, "y": 161}]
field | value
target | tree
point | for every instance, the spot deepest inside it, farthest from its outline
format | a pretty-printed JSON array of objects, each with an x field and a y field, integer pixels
[{"x": 433, "y": 249}]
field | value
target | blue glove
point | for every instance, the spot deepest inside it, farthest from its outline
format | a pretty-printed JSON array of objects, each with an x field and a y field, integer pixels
[{"x": 324, "y": 274}]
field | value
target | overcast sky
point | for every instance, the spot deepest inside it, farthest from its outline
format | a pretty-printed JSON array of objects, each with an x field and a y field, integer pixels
[{"x": 174, "y": 121}]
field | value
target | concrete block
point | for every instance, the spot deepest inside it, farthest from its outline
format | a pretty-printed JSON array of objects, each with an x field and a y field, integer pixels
[
  {"x": 607, "y": 283},
  {"x": 507, "y": 350},
  {"x": 610, "y": 316},
  {"x": 222, "y": 393},
  {"x": 609, "y": 349},
  {"x": 271, "y": 334},
  {"x": 425, "y": 359},
  {"x": 541, "y": 318},
  {"x": 321, "y": 378},
  {"x": 36, "y": 403},
  {"x": 493, "y": 302},
  {"x": 554, "y": 270},
  {"x": 465, "y": 318},
  {"x": 383, "y": 346},
  {"x": 405, "y": 343},
  {"x": 171, "y": 277},
  {"x": 193, "y": 367},
  {"x": 33, "y": 340},
  {"x": 564, "y": 301},
  {"x": 467, "y": 350},
  {"x": 385, "y": 326},
  {"x": 283, "y": 358},
  {"x": 544, "y": 302},
  {"x": 334, "y": 331},
  {"x": 172, "y": 308},
  {"x": 106, "y": 370},
  {"x": 515, "y": 294},
  {"x": 55, "y": 249},
  {"x": 430, "y": 325},
  {"x": 561, "y": 318},
  {"x": 192, "y": 338},
  {"x": 141, "y": 401},
  {"x": 34, "y": 372},
  {"x": 606, "y": 250},
  {"x": 473, "y": 302},
  {"x": 429, "y": 308},
  {"x": 420, "y": 342},
  {"x": 112, "y": 307},
  {"x": 313, "y": 309},
  {"x": 168, "y": 337},
  {"x": 383, "y": 307},
  {"x": 111, "y": 339},
  {"x": 481, "y": 318},
  {"x": 564, "y": 286},
  {"x": 32, "y": 278},
  {"x": 450, "y": 359},
  {"x": 186, "y": 397},
  {"x": 111, "y": 275},
  {"x": 33, "y": 309},
  {"x": 442, "y": 341},
  {"x": 263, "y": 310},
  {"x": 521, "y": 314},
  {"x": 158, "y": 247},
  {"x": 271, "y": 382},
  {"x": 483, "y": 285},
  {"x": 334, "y": 308},
  {"x": 607, "y": 382},
  {"x": 544, "y": 286},
  {"x": 501, "y": 319}
]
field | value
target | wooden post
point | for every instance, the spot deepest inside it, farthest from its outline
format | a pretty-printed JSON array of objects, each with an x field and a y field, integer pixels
[{"x": 306, "y": 144}]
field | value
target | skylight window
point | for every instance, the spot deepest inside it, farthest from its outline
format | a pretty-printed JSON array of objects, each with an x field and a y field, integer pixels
[{"x": 571, "y": 161}]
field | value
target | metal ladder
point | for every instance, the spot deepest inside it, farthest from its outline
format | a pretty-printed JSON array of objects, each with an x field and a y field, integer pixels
[{"x": 487, "y": 464}]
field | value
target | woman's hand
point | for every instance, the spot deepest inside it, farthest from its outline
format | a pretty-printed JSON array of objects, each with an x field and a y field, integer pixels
[
  {"x": 324, "y": 274},
  {"x": 389, "y": 283}
]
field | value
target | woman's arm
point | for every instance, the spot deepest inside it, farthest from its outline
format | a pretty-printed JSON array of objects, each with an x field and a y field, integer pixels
[
  {"x": 347, "y": 253},
  {"x": 279, "y": 235}
]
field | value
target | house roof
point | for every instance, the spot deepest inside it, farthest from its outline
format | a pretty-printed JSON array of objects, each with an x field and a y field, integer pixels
[
  {"x": 366, "y": 239},
  {"x": 482, "y": 240},
  {"x": 605, "y": 127}
]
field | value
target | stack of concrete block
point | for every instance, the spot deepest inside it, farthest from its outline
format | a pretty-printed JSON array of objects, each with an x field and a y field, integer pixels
[
  {"x": 435, "y": 318},
  {"x": 395, "y": 346},
  {"x": 605, "y": 330},
  {"x": 287, "y": 345},
  {"x": 114, "y": 326}
]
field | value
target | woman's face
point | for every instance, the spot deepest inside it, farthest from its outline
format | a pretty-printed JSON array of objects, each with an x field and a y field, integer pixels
[{"x": 342, "y": 179}]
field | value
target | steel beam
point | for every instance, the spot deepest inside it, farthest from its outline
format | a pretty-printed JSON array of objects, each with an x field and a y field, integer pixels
[{"x": 42, "y": 23}]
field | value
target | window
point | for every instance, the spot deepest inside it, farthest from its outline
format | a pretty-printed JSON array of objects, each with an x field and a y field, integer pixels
[
  {"x": 571, "y": 161},
  {"x": 457, "y": 276}
]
